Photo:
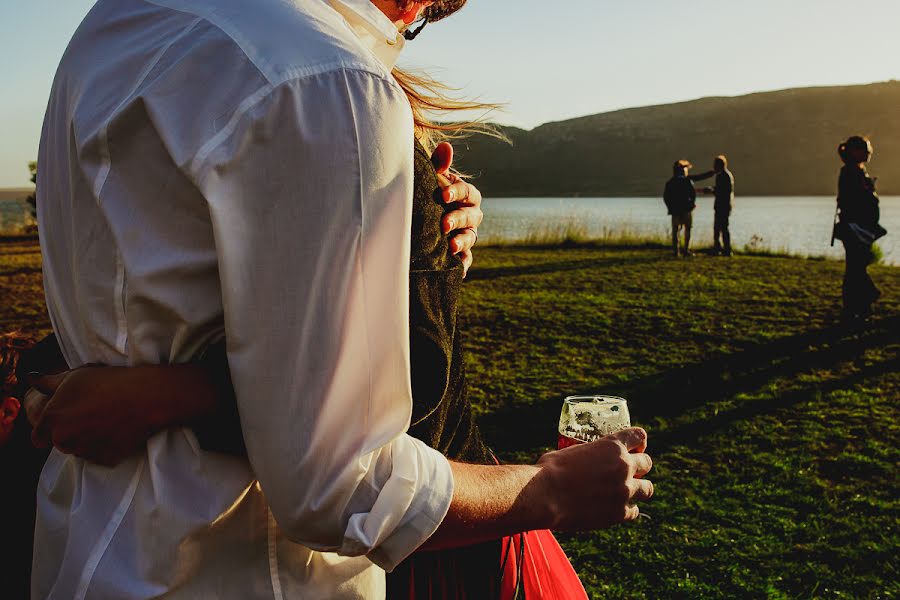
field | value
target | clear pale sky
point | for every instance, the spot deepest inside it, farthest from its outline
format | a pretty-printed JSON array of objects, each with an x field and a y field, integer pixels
[{"x": 547, "y": 59}]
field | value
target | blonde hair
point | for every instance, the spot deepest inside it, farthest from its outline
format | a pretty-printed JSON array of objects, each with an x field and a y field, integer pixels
[{"x": 428, "y": 96}]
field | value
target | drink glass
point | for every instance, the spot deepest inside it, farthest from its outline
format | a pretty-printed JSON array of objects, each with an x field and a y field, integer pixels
[{"x": 589, "y": 418}]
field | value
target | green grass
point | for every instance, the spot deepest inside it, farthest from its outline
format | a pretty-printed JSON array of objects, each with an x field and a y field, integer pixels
[
  {"x": 774, "y": 429},
  {"x": 21, "y": 289}
]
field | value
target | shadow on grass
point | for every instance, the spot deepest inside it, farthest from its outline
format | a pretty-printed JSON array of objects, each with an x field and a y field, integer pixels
[
  {"x": 21, "y": 271},
  {"x": 22, "y": 249},
  {"x": 554, "y": 267},
  {"x": 692, "y": 431},
  {"x": 16, "y": 238},
  {"x": 673, "y": 392}
]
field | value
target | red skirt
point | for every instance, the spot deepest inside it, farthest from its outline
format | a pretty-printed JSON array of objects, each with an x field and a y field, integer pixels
[
  {"x": 531, "y": 566},
  {"x": 536, "y": 567}
]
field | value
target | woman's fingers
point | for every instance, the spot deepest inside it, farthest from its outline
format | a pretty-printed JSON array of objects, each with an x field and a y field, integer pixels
[
  {"x": 466, "y": 258},
  {"x": 442, "y": 158},
  {"x": 464, "y": 214},
  {"x": 462, "y": 242},
  {"x": 462, "y": 192},
  {"x": 462, "y": 218}
]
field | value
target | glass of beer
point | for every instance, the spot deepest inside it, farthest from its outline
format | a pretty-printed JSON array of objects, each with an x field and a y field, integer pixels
[{"x": 589, "y": 418}]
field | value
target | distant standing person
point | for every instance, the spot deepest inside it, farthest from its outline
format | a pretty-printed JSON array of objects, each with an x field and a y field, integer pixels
[
  {"x": 857, "y": 226},
  {"x": 724, "y": 201},
  {"x": 681, "y": 198}
]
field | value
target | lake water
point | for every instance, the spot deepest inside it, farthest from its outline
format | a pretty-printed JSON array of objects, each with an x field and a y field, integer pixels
[{"x": 793, "y": 224}]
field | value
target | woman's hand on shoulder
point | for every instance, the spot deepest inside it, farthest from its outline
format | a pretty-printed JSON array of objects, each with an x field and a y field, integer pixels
[{"x": 463, "y": 202}]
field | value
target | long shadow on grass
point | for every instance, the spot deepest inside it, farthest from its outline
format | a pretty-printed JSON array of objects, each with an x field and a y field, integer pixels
[
  {"x": 20, "y": 271},
  {"x": 725, "y": 375},
  {"x": 6, "y": 251},
  {"x": 675, "y": 391},
  {"x": 491, "y": 273},
  {"x": 692, "y": 431}
]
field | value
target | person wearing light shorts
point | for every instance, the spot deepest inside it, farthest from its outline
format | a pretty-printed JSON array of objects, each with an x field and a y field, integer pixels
[{"x": 680, "y": 198}]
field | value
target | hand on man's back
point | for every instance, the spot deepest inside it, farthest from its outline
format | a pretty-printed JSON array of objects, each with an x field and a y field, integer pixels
[{"x": 463, "y": 201}]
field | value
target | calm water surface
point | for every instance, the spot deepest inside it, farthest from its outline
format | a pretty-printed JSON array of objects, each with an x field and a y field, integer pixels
[
  {"x": 793, "y": 224},
  {"x": 800, "y": 225}
]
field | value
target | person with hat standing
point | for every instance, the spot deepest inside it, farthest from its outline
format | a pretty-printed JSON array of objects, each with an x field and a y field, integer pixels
[{"x": 680, "y": 198}]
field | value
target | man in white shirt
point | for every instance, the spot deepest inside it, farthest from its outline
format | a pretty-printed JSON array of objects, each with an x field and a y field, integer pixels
[{"x": 244, "y": 169}]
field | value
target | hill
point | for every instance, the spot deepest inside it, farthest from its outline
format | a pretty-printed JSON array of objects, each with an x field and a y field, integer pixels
[
  {"x": 779, "y": 143},
  {"x": 15, "y": 193}
]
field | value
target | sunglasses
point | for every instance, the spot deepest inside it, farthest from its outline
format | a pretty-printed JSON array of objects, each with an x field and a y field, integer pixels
[{"x": 433, "y": 13}]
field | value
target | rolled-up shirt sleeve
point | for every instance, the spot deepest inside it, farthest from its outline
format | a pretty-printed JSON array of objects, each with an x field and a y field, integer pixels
[{"x": 310, "y": 192}]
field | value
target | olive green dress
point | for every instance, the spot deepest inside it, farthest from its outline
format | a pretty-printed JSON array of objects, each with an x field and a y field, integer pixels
[{"x": 441, "y": 416}]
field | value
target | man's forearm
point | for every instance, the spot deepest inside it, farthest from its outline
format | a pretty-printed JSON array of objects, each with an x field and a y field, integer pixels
[
  {"x": 583, "y": 487},
  {"x": 490, "y": 502}
]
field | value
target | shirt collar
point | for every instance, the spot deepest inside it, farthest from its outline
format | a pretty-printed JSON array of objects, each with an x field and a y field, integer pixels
[{"x": 373, "y": 28}]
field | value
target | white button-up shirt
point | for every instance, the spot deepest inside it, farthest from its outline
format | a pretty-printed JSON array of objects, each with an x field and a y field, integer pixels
[{"x": 237, "y": 168}]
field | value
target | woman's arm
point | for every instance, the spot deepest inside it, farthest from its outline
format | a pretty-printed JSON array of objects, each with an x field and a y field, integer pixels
[
  {"x": 583, "y": 487},
  {"x": 82, "y": 411}
]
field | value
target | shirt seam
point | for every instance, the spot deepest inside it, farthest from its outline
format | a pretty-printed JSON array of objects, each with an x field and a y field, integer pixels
[
  {"x": 106, "y": 164},
  {"x": 109, "y": 532},
  {"x": 121, "y": 339},
  {"x": 263, "y": 67},
  {"x": 359, "y": 253},
  {"x": 294, "y": 74}
]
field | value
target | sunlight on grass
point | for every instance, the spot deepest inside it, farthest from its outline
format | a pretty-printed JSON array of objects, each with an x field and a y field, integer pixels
[{"x": 774, "y": 430}]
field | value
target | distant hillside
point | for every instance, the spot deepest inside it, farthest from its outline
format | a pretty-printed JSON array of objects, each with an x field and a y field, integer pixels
[
  {"x": 778, "y": 143},
  {"x": 15, "y": 193}
]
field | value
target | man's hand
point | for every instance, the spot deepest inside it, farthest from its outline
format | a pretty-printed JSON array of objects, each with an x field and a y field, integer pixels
[
  {"x": 596, "y": 485},
  {"x": 463, "y": 200},
  {"x": 584, "y": 487}
]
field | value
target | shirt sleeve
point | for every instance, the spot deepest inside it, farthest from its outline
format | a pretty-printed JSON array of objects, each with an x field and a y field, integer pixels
[{"x": 310, "y": 197}]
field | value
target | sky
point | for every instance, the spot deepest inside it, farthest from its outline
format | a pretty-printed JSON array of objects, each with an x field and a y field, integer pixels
[{"x": 546, "y": 60}]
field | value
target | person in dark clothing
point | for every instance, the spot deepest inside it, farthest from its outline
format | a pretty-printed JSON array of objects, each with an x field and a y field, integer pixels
[
  {"x": 857, "y": 227},
  {"x": 723, "y": 192},
  {"x": 680, "y": 198}
]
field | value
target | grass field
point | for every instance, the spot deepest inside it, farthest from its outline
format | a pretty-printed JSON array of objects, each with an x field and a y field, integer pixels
[{"x": 775, "y": 431}]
